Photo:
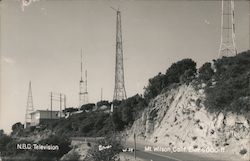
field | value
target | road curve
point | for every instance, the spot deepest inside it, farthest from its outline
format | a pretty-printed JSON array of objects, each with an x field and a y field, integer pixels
[{"x": 165, "y": 156}]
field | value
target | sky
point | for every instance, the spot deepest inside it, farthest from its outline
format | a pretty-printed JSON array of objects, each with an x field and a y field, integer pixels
[{"x": 42, "y": 44}]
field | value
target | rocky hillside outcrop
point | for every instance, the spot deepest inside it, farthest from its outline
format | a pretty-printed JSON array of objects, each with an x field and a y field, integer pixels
[{"x": 179, "y": 119}]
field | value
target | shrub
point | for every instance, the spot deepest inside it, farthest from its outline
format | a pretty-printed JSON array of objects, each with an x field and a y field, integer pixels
[
  {"x": 71, "y": 109},
  {"x": 155, "y": 86},
  {"x": 4, "y": 141},
  {"x": 188, "y": 76},
  {"x": 128, "y": 111},
  {"x": 63, "y": 143},
  {"x": 231, "y": 91},
  {"x": 113, "y": 148},
  {"x": 194, "y": 137},
  {"x": 103, "y": 103},
  {"x": 178, "y": 69},
  {"x": 88, "y": 107},
  {"x": 243, "y": 151},
  {"x": 17, "y": 129},
  {"x": 206, "y": 72},
  {"x": 182, "y": 71},
  {"x": 116, "y": 102}
]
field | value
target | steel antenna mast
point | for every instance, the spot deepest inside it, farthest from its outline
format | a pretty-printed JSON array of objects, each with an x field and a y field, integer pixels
[
  {"x": 29, "y": 107},
  {"x": 227, "y": 44},
  {"x": 119, "y": 91},
  {"x": 81, "y": 87},
  {"x": 83, "y": 92}
]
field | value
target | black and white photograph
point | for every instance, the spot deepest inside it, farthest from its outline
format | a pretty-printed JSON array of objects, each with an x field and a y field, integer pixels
[{"x": 124, "y": 80}]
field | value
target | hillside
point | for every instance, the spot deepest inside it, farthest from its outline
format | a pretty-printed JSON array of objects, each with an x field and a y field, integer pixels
[
  {"x": 211, "y": 111},
  {"x": 201, "y": 110},
  {"x": 178, "y": 119}
]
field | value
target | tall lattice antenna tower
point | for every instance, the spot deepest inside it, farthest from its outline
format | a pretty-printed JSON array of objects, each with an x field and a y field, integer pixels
[
  {"x": 249, "y": 24},
  {"x": 227, "y": 45},
  {"x": 119, "y": 92},
  {"x": 29, "y": 107},
  {"x": 86, "y": 100},
  {"x": 83, "y": 92}
]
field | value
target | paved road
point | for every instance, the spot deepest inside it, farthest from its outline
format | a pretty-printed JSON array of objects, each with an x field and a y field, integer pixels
[
  {"x": 150, "y": 155},
  {"x": 165, "y": 156}
]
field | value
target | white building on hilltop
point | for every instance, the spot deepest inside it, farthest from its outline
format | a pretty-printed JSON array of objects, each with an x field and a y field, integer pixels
[{"x": 44, "y": 116}]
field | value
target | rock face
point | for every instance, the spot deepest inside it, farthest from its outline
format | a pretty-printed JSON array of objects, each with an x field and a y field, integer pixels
[{"x": 179, "y": 119}]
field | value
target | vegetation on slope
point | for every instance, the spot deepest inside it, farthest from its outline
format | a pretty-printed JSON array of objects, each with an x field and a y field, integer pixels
[
  {"x": 90, "y": 123},
  {"x": 180, "y": 72},
  {"x": 227, "y": 82},
  {"x": 9, "y": 150},
  {"x": 228, "y": 88}
]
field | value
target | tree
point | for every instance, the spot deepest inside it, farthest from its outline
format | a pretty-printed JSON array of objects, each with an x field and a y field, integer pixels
[
  {"x": 4, "y": 141},
  {"x": 230, "y": 92},
  {"x": 176, "y": 70},
  {"x": 182, "y": 71},
  {"x": 71, "y": 109},
  {"x": 61, "y": 141},
  {"x": 88, "y": 107},
  {"x": 17, "y": 128},
  {"x": 206, "y": 72},
  {"x": 155, "y": 86},
  {"x": 1, "y": 132},
  {"x": 103, "y": 103}
]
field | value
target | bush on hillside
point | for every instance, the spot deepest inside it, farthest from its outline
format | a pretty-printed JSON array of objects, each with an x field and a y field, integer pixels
[
  {"x": 187, "y": 76},
  {"x": 88, "y": 107},
  {"x": 63, "y": 143},
  {"x": 205, "y": 73},
  {"x": 231, "y": 91},
  {"x": 99, "y": 123},
  {"x": 107, "y": 149},
  {"x": 178, "y": 69},
  {"x": 155, "y": 86},
  {"x": 103, "y": 103},
  {"x": 17, "y": 129},
  {"x": 116, "y": 103},
  {"x": 70, "y": 110},
  {"x": 1, "y": 132},
  {"x": 128, "y": 111},
  {"x": 11, "y": 152},
  {"x": 4, "y": 141},
  {"x": 92, "y": 123},
  {"x": 182, "y": 71}
]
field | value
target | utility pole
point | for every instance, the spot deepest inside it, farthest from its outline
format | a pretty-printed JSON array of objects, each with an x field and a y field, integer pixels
[
  {"x": 51, "y": 101},
  {"x": 58, "y": 97},
  {"x": 134, "y": 145},
  {"x": 101, "y": 94},
  {"x": 60, "y": 105},
  {"x": 86, "y": 100},
  {"x": 64, "y": 102}
]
